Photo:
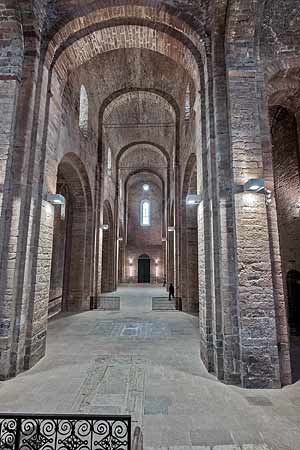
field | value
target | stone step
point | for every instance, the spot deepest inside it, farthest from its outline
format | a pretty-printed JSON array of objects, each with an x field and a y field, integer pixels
[{"x": 162, "y": 304}]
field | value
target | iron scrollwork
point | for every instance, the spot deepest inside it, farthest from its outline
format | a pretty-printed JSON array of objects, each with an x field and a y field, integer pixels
[{"x": 60, "y": 432}]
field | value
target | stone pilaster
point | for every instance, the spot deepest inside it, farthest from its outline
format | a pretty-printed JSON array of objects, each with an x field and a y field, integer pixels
[{"x": 258, "y": 341}]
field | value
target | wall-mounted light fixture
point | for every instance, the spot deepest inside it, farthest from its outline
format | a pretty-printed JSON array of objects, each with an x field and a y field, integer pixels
[
  {"x": 120, "y": 239},
  {"x": 193, "y": 199},
  {"x": 256, "y": 186},
  {"x": 171, "y": 229},
  {"x": 146, "y": 187},
  {"x": 104, "y": 227},
  {"x": 58, "y": 200},
  {"x": 156, "y": 261},
  {"x": 130, "y": 261}
]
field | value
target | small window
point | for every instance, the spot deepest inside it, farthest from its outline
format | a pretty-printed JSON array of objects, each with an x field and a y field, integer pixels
[
  {"x": 187, "y": 106},
  {"x": 145, "y": 213},
  {"x": 83, "y": 110},
  {"x": 109, "y": 165}
]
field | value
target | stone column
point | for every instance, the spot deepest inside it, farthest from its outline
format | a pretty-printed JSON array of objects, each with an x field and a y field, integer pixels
[
  {"x": 258, "y": 341},
  {"x": 227, "y": 345},
  {"x": 22, "y": 197},
  {"x": 177, "y": 223},
  {"x": 183, "y": 257},
  {"x": 10, "y": 85}
]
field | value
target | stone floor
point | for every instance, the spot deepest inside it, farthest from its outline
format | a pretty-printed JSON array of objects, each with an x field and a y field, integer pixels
[{"x": 146, "y": 363}]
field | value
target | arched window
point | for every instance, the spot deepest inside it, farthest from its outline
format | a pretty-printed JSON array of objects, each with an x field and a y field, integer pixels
[
  {"x": 145, "y": 213},
  {"x": 187, "y": 106},
  {"x": 109, "y": 166},
  {"x": 83, "y": 110},
  {"x": 121, "y": 189}
]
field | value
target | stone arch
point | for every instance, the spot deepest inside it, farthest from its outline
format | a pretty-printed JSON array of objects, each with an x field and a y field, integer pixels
[
  {"x": 127, "y": 147},
  {"x": 158, "y": 21},
  {"x": 190, "y": 166},
  {"x": 283, "y": 87},
  {"x": 115, "y": 95},
  {"x": 148, "y": 170},
  {"x": 102, "y": 10},
  {"x": 108, "y": 250},
  {"x": 284, "y": 154},
  {"x": 70, "y": 57},
  {"x": 72, "y": 255}
]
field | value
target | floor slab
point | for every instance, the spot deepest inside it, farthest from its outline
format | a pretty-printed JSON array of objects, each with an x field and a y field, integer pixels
[{"x": 146, "y": 363}]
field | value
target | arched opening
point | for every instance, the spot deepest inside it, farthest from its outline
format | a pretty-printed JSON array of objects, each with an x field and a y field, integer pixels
[
  {"x": 144, "y": 237},
  {"x": 187, "y": 104},
  {"x": 70, "y": 282},
  {"x": 109, "y": 162},
  {"x": 108, "y": 250},
  {"x": 144, "y": 269},
  {"x": 286, "y": 159},
  {"x": 83, "y": 110},
  {"x": 293, "y": 293},
  {"x": 145, "y": 218}
]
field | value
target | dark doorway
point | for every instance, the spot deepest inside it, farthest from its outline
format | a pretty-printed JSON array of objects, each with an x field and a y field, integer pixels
[
  {"x": 293, "y": 289},
  {"x": 144, "y": 269}
]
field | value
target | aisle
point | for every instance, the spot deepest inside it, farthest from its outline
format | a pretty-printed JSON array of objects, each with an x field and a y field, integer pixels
[{"x": 146, "y": 363}]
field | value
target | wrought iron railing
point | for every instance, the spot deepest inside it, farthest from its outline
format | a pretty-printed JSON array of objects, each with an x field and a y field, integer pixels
[{"x": 64, "y": 432}]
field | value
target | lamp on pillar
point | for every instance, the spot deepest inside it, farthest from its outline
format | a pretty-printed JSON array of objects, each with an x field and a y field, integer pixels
[
  {"x": 256, "y": 186},
  {"x": 57, "y": 200},
  {"x": 193, "y": 199}
]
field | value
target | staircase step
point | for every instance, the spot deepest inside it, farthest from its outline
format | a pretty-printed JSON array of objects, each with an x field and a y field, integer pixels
[{"x": 162, "y": 304}]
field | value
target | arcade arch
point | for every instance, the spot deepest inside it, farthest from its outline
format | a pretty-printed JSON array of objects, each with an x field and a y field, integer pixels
[{"x": 71, "y": 276}]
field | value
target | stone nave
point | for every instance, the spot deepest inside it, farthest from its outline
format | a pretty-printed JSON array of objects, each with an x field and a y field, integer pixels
[{"x": 143, "y": 144}]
